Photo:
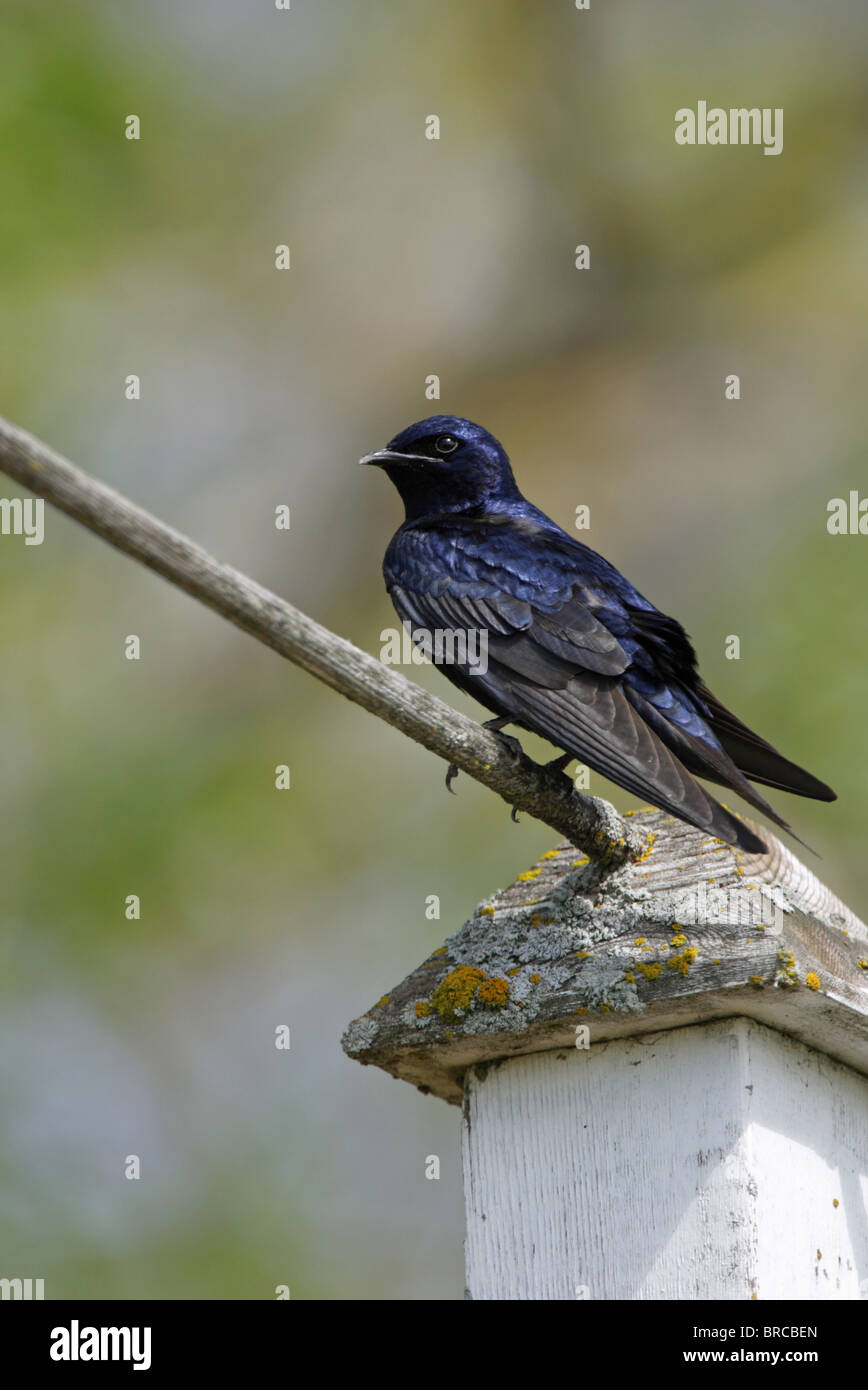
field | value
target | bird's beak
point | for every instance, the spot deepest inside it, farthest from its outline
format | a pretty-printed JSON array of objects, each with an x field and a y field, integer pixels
[{"x": 380, "y": 457}]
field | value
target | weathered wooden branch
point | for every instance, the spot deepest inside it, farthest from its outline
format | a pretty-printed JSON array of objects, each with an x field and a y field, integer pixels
[{"x": 587, "y": 822}]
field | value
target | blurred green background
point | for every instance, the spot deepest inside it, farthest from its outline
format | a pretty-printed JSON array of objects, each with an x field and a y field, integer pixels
[{"x": 409, "y": 257}]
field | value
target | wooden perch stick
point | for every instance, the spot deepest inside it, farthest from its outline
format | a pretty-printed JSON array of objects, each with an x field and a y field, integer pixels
[{"x": 588, "y": 822}]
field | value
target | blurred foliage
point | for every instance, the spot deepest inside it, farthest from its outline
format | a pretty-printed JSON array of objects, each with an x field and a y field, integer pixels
[{"x": 409, "y": 257}]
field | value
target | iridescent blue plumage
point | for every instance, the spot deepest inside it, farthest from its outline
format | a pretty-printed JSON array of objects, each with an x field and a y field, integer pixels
[{"x": 575, "y": 652}]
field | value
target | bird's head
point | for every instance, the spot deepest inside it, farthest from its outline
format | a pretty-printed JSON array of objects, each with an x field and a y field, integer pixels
[{"x": 446, "y": 464}]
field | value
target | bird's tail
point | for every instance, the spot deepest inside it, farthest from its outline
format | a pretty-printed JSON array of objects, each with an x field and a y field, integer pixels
[
  {"x": 712, "y": 761},
  {"x": 757, "y": 759}
]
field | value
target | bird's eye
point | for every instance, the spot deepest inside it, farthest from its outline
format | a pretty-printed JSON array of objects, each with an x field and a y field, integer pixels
[{"x": 446, "y": 444}]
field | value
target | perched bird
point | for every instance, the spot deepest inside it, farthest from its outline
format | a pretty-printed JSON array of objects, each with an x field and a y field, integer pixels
[{"x": 574, "y": 652}]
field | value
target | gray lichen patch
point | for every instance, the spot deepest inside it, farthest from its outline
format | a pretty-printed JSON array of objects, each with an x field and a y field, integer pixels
[
  {"x": 360, "y": 1036},
  {"x": 691, "y": 930}
]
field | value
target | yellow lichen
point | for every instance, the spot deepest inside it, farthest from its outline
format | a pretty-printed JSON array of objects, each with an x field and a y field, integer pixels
[
  {"x": 683, "y": 962},
  {"x": 487, "y": 911},
  {"x": 456, "y": 990},
  {"x": 812, "y": 980},
  {"x": 514, "y": 971},
  {"x": 580, "y": 955},
  {"x": 629, "y": 977},
  {"x": 862, "y": 964},
  {"x": 493, "y": 993},
  {"x": 423, "y": 1008},
  {"x": 756, "y": 979},
  {"x": 534, "y": 979},
  {"x": 648, "y": 848},
  {"x": 528, "y": 875},
  {"x": 380, "y": 1002},
  {"x": 651, "y": 970},
  {"x": 639, "y": 940},
  {"x": 679, "y": 939},
  {"x": 788, "y": 968}
]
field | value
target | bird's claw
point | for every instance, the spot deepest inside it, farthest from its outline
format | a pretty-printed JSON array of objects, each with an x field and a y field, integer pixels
[
  {"x": 451, "y": 774},
  {"x": 495, "y": 726},
  {"x": 512, "y": 744},
  {"x": 558, "y": 764}
]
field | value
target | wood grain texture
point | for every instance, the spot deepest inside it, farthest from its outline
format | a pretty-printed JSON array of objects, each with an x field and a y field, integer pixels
[
  {"x": 722, "y": 1161},
  {"x": 693, "y": 931}
]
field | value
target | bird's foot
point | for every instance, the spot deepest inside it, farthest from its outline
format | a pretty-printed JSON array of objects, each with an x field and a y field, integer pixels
[
  {"x": 496, "y": 726},
  {"x": 513, "y": 744},
  {"x": 559, "y": 764}
]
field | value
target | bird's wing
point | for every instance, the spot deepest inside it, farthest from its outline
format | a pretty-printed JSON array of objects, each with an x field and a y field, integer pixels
[{"x": 559, "y": 652}]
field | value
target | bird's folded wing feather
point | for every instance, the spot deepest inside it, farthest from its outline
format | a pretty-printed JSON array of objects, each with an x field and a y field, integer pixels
[{"x": 557, "y": 667}]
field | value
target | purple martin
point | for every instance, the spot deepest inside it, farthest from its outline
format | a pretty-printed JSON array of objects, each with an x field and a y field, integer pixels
[{"x": 574, "y": 652}]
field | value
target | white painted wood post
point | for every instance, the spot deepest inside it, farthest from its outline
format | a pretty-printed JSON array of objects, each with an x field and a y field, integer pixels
[
  {"x": 719, "y": 1161},
  {"x": 664, "y": 1077}
]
